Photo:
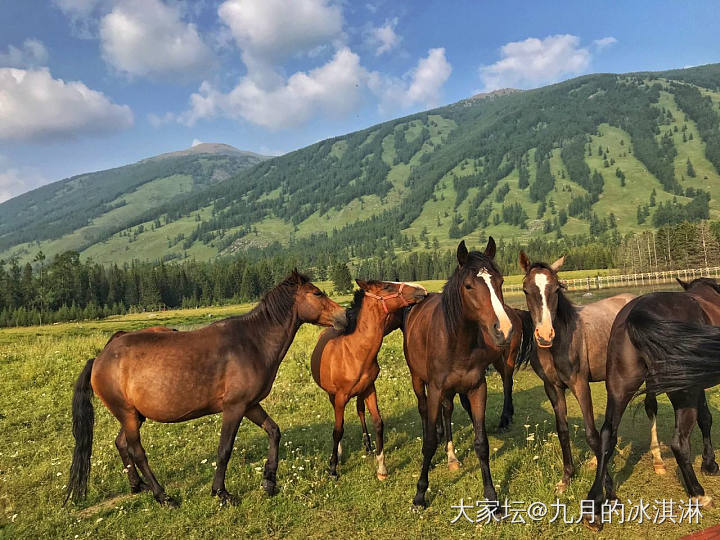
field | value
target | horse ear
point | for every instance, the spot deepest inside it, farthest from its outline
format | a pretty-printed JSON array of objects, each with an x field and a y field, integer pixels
[
  {"x": 557, "y": 265},
  {"x": 462, "y": 253},
  {"x": 360, "y": 283},
  {"x": 683, "y": 284},
  {"x": 524, "y": 262},
  {"x": 490, "y": 248}
]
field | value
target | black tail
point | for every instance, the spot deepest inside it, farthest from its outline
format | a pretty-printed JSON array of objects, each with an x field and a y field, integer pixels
[
  {"x": 527, "y": 346},
  {"x": 679, "y": 355},
  {"x": 83, "y": 424}
]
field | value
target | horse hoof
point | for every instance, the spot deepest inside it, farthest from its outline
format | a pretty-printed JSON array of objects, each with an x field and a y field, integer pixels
[
  {"x": 226, "y": 499},
  {"x": 594, "y": 526},
  {"x": 269, "y": 488},
  {"x": 382, "y": 476},
  {"x": 142, "y": 486},
  {"x": 703, "y": 500},
  {"x": 710, "y": 470},
  {"x": 166, "y": 500},
  {"x": 561, "y": 486},
  {"x": 454, "y": 465},
  {"x": 419, "y": 501},
  {"x": 659, "y": 468},
  {"x": 333, "y": 475}
]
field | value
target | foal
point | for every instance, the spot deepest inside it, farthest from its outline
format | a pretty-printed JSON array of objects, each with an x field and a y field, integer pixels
[
  {"x": 571, "y": 349},
  {"x": 227, "y": 367},
  {"x": 345, "y": 364}
]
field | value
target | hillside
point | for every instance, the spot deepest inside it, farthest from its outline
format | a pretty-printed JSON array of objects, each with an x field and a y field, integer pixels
[
  {"x": 78, "y": 212},
  {"x": 588, "y": 156}
]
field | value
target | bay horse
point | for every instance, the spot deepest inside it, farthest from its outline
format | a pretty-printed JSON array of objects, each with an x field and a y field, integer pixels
[
  {"x": 345, "y": 365},
  {"x": 670, "y": 341},
  {"x": 449, "y": 341},
  {"x": 571, "y": 349},
  {"x": 148, "y": 329},
  {"x": 228, "y": 366}
]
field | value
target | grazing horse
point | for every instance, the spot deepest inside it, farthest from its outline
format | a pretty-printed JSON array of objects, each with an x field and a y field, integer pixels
[
  {"x": 670, "y": 341},
  {"x": 449, "y": 340},
  {"x": 572, "y": 347},
  {"x": 345, "y": 365},
  {"x": 227, "y": 367}
]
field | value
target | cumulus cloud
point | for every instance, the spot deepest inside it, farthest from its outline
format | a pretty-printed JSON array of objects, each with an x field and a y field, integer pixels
[
  {"x": 31, "y": 53},
  {"x": 35, "y": 106},
  {"x": 17, "y": 180},
  {"x": 150, "y": 39},
  {"x": 421, "y": 86},
  {"x": 384, "y": 38},
  {"x": 604, "y": 42},
  {"x": 332, "y": 89},
  {"x": 534, "y": 62},
  {"x": 272, "y": 30}
]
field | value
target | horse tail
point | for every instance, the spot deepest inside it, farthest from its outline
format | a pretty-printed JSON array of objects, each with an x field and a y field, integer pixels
[
  {"x": 527, "y": 344},
  {"x": 83, "y": 416},
  {"x": 678, "y": 355}
]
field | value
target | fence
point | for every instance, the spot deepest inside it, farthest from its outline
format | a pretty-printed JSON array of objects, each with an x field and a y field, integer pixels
[{"x": 630, "y": 280}]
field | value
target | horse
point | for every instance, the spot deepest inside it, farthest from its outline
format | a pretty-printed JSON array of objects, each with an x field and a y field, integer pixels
[
  {"x": 449, "y": 341},
  {"x": 227, "y": 367},
  {"x": 345, "y": 365},
  {"x": 571, "y": 349},
  {"x": 670, "y": 341},
  {"x": 148, "y": 329}
]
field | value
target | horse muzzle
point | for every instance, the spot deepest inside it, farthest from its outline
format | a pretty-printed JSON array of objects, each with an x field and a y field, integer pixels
[{"x": 542, "y": 341}]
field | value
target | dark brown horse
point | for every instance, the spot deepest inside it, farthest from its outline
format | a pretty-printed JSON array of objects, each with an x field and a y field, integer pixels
[
  {"x": 670, "y": 341},
  {"x": 345, "y": 365},
  {"x": 572, "y": 347},
  {"x": 226, "y": 367},
  {"x": 148, "y": 329},
  {"x": 449, "y": 340}
]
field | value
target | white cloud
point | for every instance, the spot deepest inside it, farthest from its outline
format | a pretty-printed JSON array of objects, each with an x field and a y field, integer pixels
[
  {"x": 604, "y": 42},
  {"x": 534, "y": 62},
  {"x": 196, "y": 142},
  {"x": 31, "y": 53},
  {"x": 384, "y": 38},
  {"x": 17, "y": 180},
  {"x": 333, "y": 89},
  {"x": 421, "y": 86},
  {"x": 148, "y": 38},
  {"x": 79, "y": 8},
  {"x": 272, "y": 30},
  {"x": 34, "y": 105}
]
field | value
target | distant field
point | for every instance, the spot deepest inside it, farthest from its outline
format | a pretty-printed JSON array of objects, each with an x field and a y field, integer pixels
[{"x": 38, "y": 366}]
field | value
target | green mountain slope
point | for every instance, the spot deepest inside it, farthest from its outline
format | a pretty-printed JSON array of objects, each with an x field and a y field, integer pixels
[
  {"x": 589, "y": 156},
  {"x": 78, "y": 212}
]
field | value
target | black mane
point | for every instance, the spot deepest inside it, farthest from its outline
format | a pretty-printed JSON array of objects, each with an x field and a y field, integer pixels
[
  {"x": 566, "y": 311},
  {"x": 278, "y": 302},
  {"x": 451, "y": 299},
  {"x": 353, "y": 312}
]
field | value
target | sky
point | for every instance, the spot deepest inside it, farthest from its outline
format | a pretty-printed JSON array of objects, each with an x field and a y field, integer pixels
[{"x": 87, "y": 85}]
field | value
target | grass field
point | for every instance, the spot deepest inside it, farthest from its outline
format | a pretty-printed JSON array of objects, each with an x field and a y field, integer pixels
[{"x": 38, "y": 367}]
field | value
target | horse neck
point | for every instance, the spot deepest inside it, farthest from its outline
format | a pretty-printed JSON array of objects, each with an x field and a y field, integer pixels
[
  {"x": 276, "y": 338},
  {"x": 369, "y": 331}
]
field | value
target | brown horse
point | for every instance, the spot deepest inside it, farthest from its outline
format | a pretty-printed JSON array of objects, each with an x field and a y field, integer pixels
[
  {"x": 345, "y": 365},
  {"x": 226, "y": 367},
  {"x": 449, "y": 340},
  {"x": 148, "y": 329},
  {"x": 670, "y": 341},
  {"x": 572, "y": 348}
]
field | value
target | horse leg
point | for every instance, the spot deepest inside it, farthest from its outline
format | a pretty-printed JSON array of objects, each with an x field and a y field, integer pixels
[
  {"x": 360, "y": 405},
  {"x": 508, "y": 410},
  {"x": 465, "y": 402},
  {"x": 419, "y": 389},
  {"x": 685, "y": 403},
  {"x": 434, "y": 401},
  {"x": 478, "y": 403},
  {"x": 131, "y": 426},
  {"x": 231, "y": 418},
  {"x": 137, "y": 484},
  {"x": 581, "y": 389},
  {"x": 556, "y": 395},
  {"x": 372, "y": 405},
  {"x": 709, "y": 465},
  {"x": 259, "y": 417},
  {"x": 651, "y": 411},
  {"x": 447, "y": 412},
  {"x": 339, "y": 403}
]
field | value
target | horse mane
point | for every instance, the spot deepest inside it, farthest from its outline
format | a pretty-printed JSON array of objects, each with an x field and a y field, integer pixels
[
  {"x": 566, "y": 312},
  {"x": 451, "y": 299},
  {"x": 275, "y": 305},
  {"x": 353, "y": 312}
]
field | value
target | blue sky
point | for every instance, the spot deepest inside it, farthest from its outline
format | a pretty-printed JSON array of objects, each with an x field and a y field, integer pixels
[{"x": 91, "y": 84}]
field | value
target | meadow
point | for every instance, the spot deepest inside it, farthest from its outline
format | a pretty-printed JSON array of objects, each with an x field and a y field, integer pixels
[{"x": 38, "y": 366}]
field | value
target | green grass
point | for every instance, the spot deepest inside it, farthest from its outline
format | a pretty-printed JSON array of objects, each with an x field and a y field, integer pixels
[{"x": 39, "y": 365}]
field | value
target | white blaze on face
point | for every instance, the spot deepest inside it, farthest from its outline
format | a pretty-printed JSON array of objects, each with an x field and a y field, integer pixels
[
  {"x": 545, "y": 324},
  {"x": 500, "y": 313}
]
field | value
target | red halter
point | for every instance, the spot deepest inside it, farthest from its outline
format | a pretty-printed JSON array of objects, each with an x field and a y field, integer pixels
[{"x": 393, "y": 295}]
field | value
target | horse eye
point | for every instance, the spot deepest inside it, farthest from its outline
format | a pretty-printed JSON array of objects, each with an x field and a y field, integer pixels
[
  {"x": 468, "y": 286},
  {"x": 318, "y": 293}
]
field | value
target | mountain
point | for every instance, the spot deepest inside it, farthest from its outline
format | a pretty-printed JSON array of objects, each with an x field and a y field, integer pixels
[
  {"x": 595, "y": 155},
  {"x": 78, "y": 212}
]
